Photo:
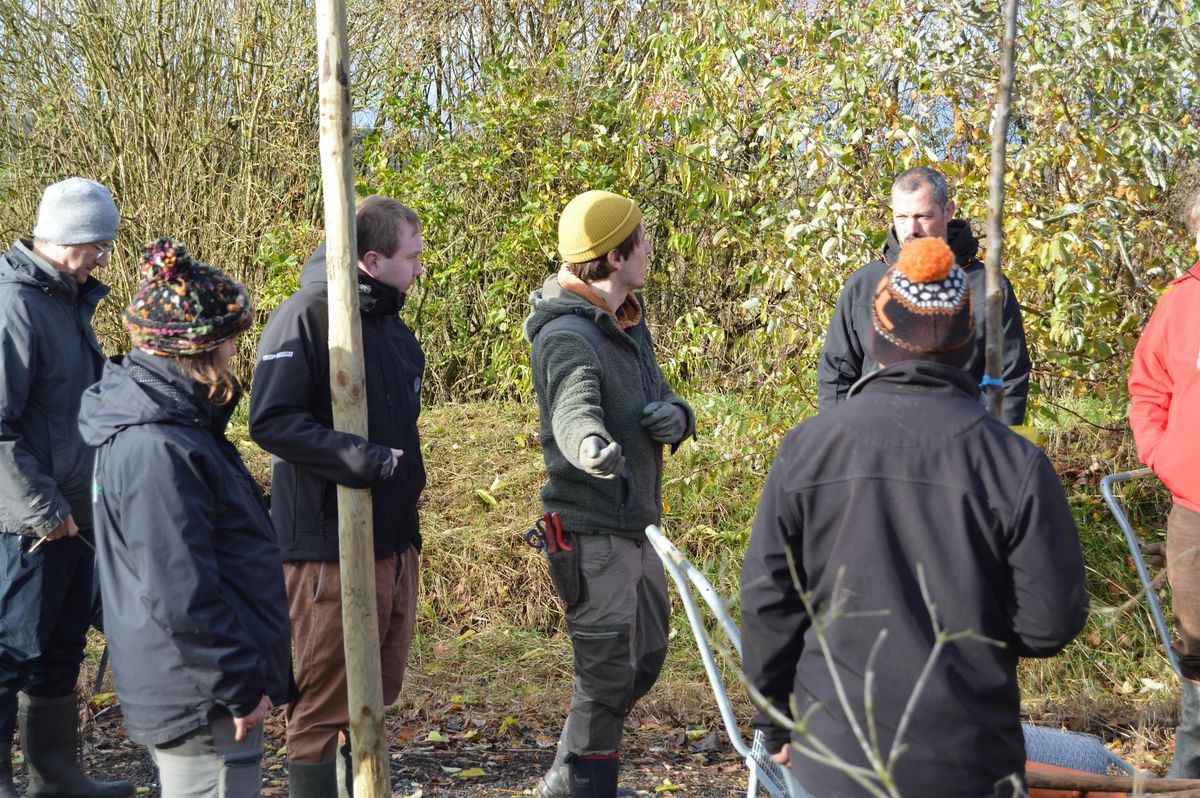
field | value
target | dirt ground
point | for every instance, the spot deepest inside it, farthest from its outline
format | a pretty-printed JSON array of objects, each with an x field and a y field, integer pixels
[{"x": 468, "y": 752}]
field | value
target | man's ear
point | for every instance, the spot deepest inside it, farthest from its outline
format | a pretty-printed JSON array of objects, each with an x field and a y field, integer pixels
[
  {"x": 949, "y": 209},
  {"x": 615, "y": 261},
  {"x": 368, "y": 262}
]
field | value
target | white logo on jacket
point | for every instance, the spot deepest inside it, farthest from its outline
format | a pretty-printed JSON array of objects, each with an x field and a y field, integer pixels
[{"x": 276, "y": 355}]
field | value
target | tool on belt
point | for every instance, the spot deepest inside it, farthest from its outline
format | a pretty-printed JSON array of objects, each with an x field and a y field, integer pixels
[{"x": 561, "y": 557}]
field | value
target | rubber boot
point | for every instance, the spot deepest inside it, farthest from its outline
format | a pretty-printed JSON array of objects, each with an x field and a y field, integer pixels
[
  {"x": 7, "y": 788},
  {"x": 596, "y": 777},
  {"x": 312, "y": 780},
  {"x": 50, "y": 737},
  {"x": 1186, "y": 764},
  {"x": 556, "y": 783}
]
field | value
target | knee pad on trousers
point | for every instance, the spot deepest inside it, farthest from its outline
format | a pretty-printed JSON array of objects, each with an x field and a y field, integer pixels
[{"x": 646, "y": 674}]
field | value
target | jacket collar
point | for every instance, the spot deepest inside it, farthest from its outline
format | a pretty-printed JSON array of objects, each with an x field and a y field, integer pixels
[
  {"x": 920, "y": 376},
  {"x": 376, "y": 298},
  {"x": 961, "y": 240},
  {"x": 180, "y": 395}
]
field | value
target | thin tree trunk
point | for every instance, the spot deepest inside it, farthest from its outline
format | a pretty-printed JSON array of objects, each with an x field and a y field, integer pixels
[
  {"x": 994, "y": 352},
  {"x": 348, "y": 392}
]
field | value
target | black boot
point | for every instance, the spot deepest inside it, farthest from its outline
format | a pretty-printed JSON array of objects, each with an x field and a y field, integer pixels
[
  {"x": 7, "y": 788},
  {"x": 596, "y": 778},
  {"x": 1186, "y": 764},
  {"x": 50, "y": 737},
  {"x": 316, "y": 780}
]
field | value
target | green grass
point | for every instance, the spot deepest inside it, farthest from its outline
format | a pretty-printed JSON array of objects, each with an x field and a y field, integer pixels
[{"x": 490, "y": 626}]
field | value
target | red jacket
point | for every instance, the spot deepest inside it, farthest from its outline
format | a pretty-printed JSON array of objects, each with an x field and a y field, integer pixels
[{"x": 1164, "y": 390}]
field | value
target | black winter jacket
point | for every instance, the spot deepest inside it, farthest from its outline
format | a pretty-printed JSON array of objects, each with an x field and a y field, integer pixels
[
  {"x": 910, "y": 479},
  {"x": 291, "y": 416},
  {"x": 48, "y": 357},
  {"x": 846, "y": 356},
  {"x": 195, "y": 608}
]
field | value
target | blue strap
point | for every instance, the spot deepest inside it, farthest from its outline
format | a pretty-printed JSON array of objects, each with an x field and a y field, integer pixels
[{"x": 989, "y": 381}]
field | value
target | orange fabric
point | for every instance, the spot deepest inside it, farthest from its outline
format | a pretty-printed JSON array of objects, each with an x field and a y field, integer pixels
[
  {"x": 628, "y": 315},
  {"x": 1040, "y": 767},
  {"x": 1164, "y": 390}
]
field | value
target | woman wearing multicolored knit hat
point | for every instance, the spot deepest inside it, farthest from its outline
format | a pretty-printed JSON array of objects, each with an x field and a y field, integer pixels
[
  {"x": 195, "y": 607},
  {"x": 903, "y": 514}
]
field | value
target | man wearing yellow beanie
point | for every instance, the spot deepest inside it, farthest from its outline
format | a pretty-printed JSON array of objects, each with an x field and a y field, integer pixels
[{"x": 606, "y": 413}]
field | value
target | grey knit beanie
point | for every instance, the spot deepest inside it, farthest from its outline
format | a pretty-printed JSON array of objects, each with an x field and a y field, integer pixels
[{"x": 76, "y": 211}]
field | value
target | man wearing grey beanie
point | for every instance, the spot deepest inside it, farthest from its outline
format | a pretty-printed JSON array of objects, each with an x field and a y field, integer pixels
[{"x": 49, "y": 356}]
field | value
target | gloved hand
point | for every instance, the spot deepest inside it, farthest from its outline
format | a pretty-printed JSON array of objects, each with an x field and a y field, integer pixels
[
  {"x": 664, "y": 422},
  {"x": 600, "y": 459}
]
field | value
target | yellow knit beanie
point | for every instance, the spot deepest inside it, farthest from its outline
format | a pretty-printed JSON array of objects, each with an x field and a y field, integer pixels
[{"x": 595, "y": 222}]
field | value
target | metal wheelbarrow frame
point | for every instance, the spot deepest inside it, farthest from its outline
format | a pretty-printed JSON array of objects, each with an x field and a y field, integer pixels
[{"x": 1135, "y": 551}]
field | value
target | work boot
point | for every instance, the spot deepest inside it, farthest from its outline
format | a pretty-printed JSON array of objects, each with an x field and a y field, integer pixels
[
  {"x": 312, "y": 780},
  {"x": 1186, "y": 764},
  {"x": 50, "y": 737},
  {"x": 7, "y": 788},
  {"x": 596, "y": 778},
  {"x": 556, "y": 783}
]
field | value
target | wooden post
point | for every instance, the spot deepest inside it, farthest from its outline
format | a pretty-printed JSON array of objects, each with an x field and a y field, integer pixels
[
  {"x": 994, "y": 351},
  {"x": 348, "y": 392}
]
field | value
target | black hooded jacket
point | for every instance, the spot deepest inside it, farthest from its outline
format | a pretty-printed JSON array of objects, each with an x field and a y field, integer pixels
[
  {"x": 49, "y": 355},
  {"x": 291, "y": 416},
  {"x": 846, "y": 356},
  {"x": 910, "y": 481},
  {"x": 195, "y": 608}
]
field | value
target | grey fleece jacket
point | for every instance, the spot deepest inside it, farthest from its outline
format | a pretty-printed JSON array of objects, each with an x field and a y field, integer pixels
[
  {"x": 597, "y": 382},
  {"x": 49, "y": 356}
]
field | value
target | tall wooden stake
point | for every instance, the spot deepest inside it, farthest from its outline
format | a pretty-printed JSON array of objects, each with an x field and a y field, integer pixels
[
  {"x": 348, "y": 390},
  {"x": 994, "y": 351}
]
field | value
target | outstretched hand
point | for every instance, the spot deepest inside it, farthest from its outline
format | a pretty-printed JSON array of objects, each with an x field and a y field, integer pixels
[{"x": 601, "y": 459}]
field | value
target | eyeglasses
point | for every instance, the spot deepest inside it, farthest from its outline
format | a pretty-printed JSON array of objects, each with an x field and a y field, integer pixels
[{"x": 102, "y": 250}]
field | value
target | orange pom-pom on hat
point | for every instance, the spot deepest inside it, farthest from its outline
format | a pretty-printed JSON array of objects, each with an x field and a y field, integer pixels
[
  {"x": 926, "y": 260},
  {"x": 922, "y": 308}
]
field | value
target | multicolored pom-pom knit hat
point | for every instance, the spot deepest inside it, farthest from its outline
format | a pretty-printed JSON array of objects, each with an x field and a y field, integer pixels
[
  {"x": 922, "y": 308},
  {"x": 184, "y": 307}
]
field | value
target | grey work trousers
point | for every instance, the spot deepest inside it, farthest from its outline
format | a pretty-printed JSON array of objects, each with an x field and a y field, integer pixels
[
  {"x": 619, "y": 637},
  {"x": 209, "y": 763}
]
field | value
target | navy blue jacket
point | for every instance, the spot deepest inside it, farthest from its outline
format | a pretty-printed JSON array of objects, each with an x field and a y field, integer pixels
[
  {"x": 909, "y": 481},
  {"x": 196, "y": 613},
  {"x": 291, "y": 416}
]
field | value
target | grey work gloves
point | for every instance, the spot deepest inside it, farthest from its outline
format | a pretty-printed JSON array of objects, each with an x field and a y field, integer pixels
[
  {"x": 601, "y": 459},
  {"x": 664, "y": 422}
]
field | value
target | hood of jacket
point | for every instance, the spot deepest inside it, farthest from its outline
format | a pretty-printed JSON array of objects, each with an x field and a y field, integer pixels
[
  {"x": 962, "y": 241},
  {"x": 919, "y": 375},
  {"x": 552, "y": 301},
  {"x": 23, "y": 266},
  {"x": 374, "y": 298},
  {"x": 140, "y": 388}
]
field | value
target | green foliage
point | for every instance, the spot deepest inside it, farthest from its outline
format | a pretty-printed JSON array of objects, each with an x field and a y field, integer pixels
[{"x": 762, "y": 138}]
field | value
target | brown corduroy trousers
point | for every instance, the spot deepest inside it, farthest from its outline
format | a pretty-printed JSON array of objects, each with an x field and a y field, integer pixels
[{"x": 315, "y": 604}]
